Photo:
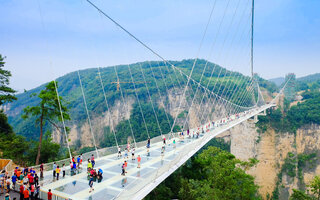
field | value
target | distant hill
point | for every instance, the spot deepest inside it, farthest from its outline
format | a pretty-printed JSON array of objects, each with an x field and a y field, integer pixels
[
  {"x": 310, "y": 78},
  {"x": 278, "y": 81},
  {"x": 70, "y": 90}
]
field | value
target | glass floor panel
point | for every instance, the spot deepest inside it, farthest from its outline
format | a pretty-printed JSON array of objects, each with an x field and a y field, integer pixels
[
  {"x": 73, "y": 187},
  {"x": 106, "y": 194},
  {"x": 143, "y": 172},
  {"x": 159, "y": 164},
  {"x": 123, "y": 182}
]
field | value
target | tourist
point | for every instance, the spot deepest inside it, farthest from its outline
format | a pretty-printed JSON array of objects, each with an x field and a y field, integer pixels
[
  {"x": 123, "y": 170},
  {"x": 14, "y": 180},
  {"x": 71, "y": 168},
  {"x": 37, "y": 192},
  {"x": 89, "y": 165},
  {"x": 81, "y": 159},
  {"x": 74, "y": 166},
  {"x": 58, "y": 172},
  {"x": 132, "y": 153},
  {"x": 119, "y": 152},
  {"x": 139, "y": 161},
  {"x": 26, "y": 194},
  {"x": 174, "y": 143},
  {"x": 63, "y": 170},
  {"x": 32, "y": 190},
  {"x": 8, "y": 182},
  {"x": 54, "y": 167},
  {"x": 21, "y": 192},
  {"x": 41, "y": 170},
  {"x": 164, "y": 140},
  {"x": 148, "y": 145},
  {"x": 78, "y": 161},
  {"x": 92, "y": 161},
  {"x": 125, "y": 166},
  {"x": 91, "y": 184},
  {"x": 49, "y": 195},
  {"x": 36, "y": 179}
]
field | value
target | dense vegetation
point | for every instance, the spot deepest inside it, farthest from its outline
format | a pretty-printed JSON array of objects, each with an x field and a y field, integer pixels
[
  {"x": 212, "y": 174},
  {"x": 290, "y": 119}
]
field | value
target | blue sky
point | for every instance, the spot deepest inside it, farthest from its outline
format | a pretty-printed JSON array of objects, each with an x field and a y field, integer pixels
[{"x": 44, "y": 39}]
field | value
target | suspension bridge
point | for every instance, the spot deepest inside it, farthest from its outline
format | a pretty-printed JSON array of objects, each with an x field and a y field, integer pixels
[{"x": 210, "y": 98}]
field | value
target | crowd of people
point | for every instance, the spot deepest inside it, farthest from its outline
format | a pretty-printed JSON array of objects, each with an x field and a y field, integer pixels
[{"x": 28, "y": 180}]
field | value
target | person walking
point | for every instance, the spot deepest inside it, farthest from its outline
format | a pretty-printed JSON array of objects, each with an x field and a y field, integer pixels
[
  {"x": 54, "y": 167},
  {"x": 91, "y": 184},
  {"x": 36, "y": 179},
  {"x": 7, "y": 196},
  {"x": 41, "y": 170},
  {"x": 123, "y": 170},
  {"x": 132, "y": 153},
  {"x": 26, "y": 194},
  {"x": 14, "y": 180},
  {"x": 92, "y": 161},
  {"x": 148, "y": 144},
  {"x": 119, "y": 152},
  {"x": 63, "y": 170},
  {"x": 78, "y": 161},
  {"x": 58, "y": 172},
  {"x": 139, "y": 161}
]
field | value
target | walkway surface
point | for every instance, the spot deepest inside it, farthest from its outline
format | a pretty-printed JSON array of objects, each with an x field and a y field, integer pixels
[{"x": 115, "y": 186}]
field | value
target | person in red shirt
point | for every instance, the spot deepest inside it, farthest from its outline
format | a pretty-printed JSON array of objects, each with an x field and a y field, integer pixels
[
  {"x": 49, "y": 195},
  {"x": 26, "y": 194},
  {"x": 31, "y": 179},
  {"x": 139, "y": 161},
  {"x": 21, "y": 192}
]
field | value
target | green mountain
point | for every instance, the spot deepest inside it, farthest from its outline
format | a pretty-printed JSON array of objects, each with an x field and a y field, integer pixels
[{"x": 155, "y": 73}]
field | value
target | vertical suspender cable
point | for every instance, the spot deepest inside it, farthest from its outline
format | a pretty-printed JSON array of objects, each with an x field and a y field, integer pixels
[
  {"x": 55, "y": 85},
  {"x": 139, "y": 104},
  {"x": 62, "y": 119},
  {"x": 89, "y": 120},
  {"x": 122, "y": 96},
  {"x": 109, "y": 113}
]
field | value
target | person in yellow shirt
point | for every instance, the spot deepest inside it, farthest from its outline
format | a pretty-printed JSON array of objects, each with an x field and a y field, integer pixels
[
  {"x": 89, "y": 166},
  {"x": 58, "y": 172}
]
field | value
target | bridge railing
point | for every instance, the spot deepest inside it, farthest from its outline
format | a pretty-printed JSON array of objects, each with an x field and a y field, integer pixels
[{"x": 102, "y": 152}]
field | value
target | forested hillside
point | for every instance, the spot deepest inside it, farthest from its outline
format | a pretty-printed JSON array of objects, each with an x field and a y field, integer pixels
[{"x": 154, "y": 73}]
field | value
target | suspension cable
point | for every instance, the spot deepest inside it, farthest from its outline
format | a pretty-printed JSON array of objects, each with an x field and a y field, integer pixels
[
  {"x": 122, "y": 96},
  {"x": 134, "y": 86},
  {"x": 151, "y": 101},
  {"x": 89, "y": 120},
  {"x": 106, "y": 101}
]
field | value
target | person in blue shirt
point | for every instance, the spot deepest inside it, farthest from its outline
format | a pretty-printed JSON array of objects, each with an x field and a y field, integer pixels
[
  {"x": 74, "y": 167},
  {"x": 78, "y": 161},
  {"x": 14, "y": 180}
]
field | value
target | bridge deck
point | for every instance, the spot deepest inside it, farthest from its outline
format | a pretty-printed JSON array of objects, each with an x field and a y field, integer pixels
[{"x": 137, "y": 182}]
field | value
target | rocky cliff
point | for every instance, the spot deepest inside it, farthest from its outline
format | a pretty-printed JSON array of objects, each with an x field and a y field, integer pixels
[{"x": 286, "y": 161}]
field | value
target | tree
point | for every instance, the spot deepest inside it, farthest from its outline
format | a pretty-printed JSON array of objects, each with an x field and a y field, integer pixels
[
  {"x": 299, "y": 195},
  {"x": 315, "y": 187},
  {"x": 47, "y": 111},
  {"x": 219, "y": 178},
  {"x": 6, "y": 93}
]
